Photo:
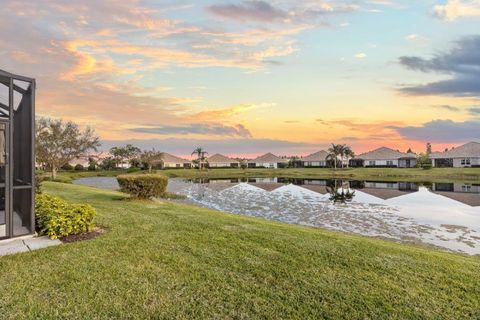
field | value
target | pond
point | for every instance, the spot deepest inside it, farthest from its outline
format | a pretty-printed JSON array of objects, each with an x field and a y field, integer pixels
[{"x": 445, "y": 215}]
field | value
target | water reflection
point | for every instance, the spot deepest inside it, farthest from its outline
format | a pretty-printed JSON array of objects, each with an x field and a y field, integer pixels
[{"x": 443, "y": 214}]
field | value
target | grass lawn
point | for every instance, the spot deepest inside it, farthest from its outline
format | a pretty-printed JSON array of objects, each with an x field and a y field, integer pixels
[
  {"x": 166, "y": 260},
  {"x": 379, "y": 174}
]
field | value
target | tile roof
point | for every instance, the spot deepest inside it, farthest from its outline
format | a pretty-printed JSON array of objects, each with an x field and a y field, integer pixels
[
  {"x": 384, "y": 153},
  {"x": 317, "y": 156},
  {"x": 471, "y": 149},
  {"x": 170, "y": 158},
  {"x": 220, "y": 158},
  {"x": 267, "y": 158}
]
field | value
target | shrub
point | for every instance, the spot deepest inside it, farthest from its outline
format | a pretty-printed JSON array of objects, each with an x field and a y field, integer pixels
[
  {"x": 427, "y": 166},
  {"x": 79, "y": 167},
  {"x": 57, "y": 218},
  {"x": 133, "y": 169},
  {"x": 67, "y": 167},
  {"x": 143, "y": 186}
]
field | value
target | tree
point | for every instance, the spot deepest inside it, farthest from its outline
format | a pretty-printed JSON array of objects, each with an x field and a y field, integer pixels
[
  {"x": 293, "y": 162},
  {"x": 348, "y": 153},
  {"x": 333, "y": 152},
  {"x": 58, "y": 142},
  {"x": 429, "y": 148},
  {"x": 108, "y": 163},
  {"x": 92, "y": 164},
  {"x": 150, "y": 157},
  {"x": 201, "y": 157},
  {"x": 124, "y": 154}
]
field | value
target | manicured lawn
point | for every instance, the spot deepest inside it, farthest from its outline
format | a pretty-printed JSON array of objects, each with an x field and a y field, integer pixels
[
  {"x": 382, "y": 174},
  {"x": 164, "y": 260},
  {"x": 379, "y": 174}
]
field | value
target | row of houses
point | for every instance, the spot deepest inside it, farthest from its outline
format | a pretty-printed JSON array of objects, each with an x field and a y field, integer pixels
[{"x": 467, "y": 155}]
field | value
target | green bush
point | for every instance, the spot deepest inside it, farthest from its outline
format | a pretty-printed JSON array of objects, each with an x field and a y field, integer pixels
[
  {"x": 143, "y": 186},
  {"x": 79, "y": 167},
  {"x": 427, "y": 166},
  {"x": 67, "y": 167},
  {"x": 56, "y": 218}
]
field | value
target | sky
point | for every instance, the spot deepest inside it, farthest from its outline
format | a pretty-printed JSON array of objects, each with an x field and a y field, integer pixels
[{"x": 244, "y": 77}]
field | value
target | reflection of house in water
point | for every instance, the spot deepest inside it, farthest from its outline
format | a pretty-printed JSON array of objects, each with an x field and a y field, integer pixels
[
  {"x": 466, "y": 193},
  {"x": 385, "y": 190}
]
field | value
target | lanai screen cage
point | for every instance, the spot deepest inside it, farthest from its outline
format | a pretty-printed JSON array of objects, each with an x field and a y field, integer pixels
[{"x": 17, "y": 161}]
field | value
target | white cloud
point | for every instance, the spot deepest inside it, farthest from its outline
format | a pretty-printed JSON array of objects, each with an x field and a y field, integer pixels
[
  {"x": 360, "y": 55},
  {"x": 455, "y": 9},
  {"x": 344, "y": 24},
  {"x": 412, "y": 37}
]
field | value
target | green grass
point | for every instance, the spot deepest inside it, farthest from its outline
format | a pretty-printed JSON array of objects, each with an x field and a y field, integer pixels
[
  {"x": 379, "y": 174},
  {"x": 166, "y": 260},
  {"x": 383, "y": 174}
]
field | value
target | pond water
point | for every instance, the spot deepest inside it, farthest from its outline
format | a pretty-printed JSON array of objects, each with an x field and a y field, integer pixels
[{"x": 445, "y": 215}]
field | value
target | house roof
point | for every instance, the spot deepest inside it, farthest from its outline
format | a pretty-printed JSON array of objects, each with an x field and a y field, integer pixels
[
  {"x": 384, "y": 153},
  {"x": 471, "y": 149},
  {"x": 220, "y": 158},
  {"x": 471, "y": 199},
  {"x": 170, "y": 158},
  {"x": 267, "y": 158},
  {"x": 317, "y": 156},
  {"x": 385, "y": 194}
]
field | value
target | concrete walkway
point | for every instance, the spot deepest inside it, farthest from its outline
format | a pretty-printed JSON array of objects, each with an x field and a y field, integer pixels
[{"x": 26, "y": 244}]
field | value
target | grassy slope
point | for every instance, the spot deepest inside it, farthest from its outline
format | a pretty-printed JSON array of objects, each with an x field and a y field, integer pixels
[{"x": 177, "y": 261}]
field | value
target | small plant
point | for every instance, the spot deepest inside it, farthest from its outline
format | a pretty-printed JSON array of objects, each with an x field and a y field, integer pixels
[
  {"x": 56, "y": 218},
  {"x": 79, "y": 167},
  {"x": 143, "y": 186}
]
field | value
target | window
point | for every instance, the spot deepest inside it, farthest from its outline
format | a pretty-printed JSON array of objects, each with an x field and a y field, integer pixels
[
  {"x": 465, "y": 162},
  {"x": 389, "y": 163},
  {"x": 371, "y": 163}
]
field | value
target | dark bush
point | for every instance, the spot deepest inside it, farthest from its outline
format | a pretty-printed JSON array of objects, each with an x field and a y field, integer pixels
[
  {"x": 67, "y": 167},
  {"x": 427, "y": 166},
  {"x": 56, "y": 218},
  {"x": 143, "y": 186},
  {"x": 79, "y": 167}
]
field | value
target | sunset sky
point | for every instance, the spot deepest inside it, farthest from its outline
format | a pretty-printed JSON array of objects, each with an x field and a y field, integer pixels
[{"x": 246, "y": 77}]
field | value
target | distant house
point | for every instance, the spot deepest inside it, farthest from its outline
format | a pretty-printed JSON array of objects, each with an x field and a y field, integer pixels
[
  {"x": 317, "y": 159},
  {"x": 467, "y": 155},
  {"x": 384, "y": 157},
  {"x": 170, "y": 161},
  {"x": 268, "y": 160},
  {"x": 221, "y": 161}
]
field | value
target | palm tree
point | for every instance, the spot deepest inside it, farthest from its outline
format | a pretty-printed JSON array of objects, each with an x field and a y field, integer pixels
[
  {"x": 201, "y": 158},
  {"x": 333, "y": 152},
  {"x": 339, "y": 194},
  {"x": 348, "y": 153}
]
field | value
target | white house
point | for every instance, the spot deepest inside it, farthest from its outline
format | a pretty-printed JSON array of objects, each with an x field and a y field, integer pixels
[
  {"x": 268, "y": 160},
  {"x": 221, "y": 161},
  {"x": 385, "y": 157},
  {"x": 467, "y": 155},
  {"x": 317, "y": 159}
]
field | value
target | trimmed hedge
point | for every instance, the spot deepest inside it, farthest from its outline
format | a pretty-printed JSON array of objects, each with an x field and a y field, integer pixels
[
  {"x": 57, "y": 218},
  {"x": 143, "y": 186}
]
